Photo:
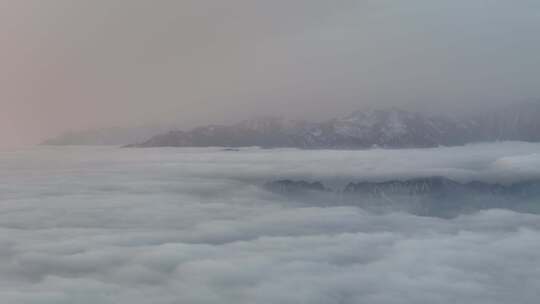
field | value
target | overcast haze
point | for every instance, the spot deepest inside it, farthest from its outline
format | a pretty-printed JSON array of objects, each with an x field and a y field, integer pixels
[{"x": 68, "y": 65}]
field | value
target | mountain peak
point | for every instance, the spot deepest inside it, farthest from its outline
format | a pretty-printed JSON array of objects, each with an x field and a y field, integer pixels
[{"x": 389, "y": 127}]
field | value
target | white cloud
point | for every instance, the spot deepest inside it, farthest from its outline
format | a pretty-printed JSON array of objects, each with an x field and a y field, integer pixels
[{"x": 104, "y": 225}]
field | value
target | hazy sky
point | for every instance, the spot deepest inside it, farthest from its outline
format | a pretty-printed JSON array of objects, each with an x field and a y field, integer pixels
[{"x": 67, "y": 65}]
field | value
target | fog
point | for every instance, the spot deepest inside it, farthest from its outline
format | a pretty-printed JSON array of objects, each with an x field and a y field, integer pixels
[
  {"x": 70, "y": 65},
  {"x": 191, "y": 225}
]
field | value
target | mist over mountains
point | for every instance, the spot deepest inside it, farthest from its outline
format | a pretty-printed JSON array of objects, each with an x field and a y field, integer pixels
[
  {"x": 106, "y": 136},
  {"x": 376, "y": 127}
]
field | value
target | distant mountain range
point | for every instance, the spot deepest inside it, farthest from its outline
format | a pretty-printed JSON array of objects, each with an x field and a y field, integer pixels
[
  {"x": 428, "y": 196},
  {"x": 389, "y": 128},
  {"x": 107, "y": 136}
]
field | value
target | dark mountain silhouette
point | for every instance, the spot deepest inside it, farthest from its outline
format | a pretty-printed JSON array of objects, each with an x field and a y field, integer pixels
[{"x": 429, "y": 196}]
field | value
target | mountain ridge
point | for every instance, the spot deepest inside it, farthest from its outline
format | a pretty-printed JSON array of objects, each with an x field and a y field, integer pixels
[
  {"x": 386, "y": 128},
  {"x": 362, "y": 129}
]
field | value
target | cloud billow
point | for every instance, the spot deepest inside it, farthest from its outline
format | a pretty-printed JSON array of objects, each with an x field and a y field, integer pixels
[{"x": 108, "y": 225}]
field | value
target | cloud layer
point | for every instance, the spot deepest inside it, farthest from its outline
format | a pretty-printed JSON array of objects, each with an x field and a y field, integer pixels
[{"x": 108, "y": 225}]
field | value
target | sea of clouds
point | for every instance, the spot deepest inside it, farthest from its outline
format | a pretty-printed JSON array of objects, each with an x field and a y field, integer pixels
[{"x": 87, "y": 225}]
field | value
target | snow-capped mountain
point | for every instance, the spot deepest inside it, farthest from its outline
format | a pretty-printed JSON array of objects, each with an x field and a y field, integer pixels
[
  {"x": 264, "y": 132},
  {"x": 520, "y": 121},
  {"x": 390, "y": 128},
  {"x": 393, "y": 128}
]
